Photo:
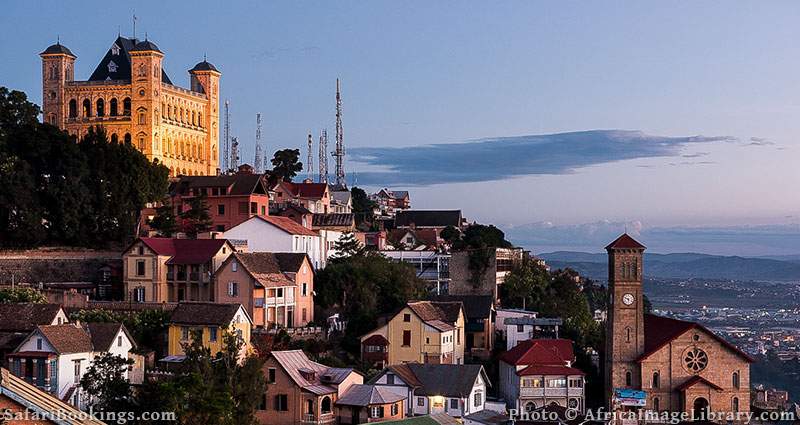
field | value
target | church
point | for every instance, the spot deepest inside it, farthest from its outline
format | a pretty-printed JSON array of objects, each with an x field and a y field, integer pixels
[
  {"x": 131, "y": 96},
  {"x": 662, "y": 364}
]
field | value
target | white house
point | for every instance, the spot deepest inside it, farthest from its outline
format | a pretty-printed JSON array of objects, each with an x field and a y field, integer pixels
[
  {"x": 276, "y": 234},
  {"x": 538, "y": 373},
  {"x": 55, "y": 357},
  {"x": 455, "y": 389}
]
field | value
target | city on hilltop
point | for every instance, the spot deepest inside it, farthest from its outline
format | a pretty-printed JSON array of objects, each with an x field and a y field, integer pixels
[{"x": 156, "y": 268}]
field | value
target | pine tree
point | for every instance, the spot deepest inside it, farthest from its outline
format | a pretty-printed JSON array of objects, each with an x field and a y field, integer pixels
[
  {"x": 196, "y": 220},
  {"x": 164, "y": 222}
]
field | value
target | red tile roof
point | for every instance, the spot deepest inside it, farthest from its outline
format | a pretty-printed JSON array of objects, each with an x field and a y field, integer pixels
[
  {"x": 287, "y": 225},
  {"x": 659, "y": 331},
  {"x": 697, "y": 379},
  {"x": 549, "y": 370},
  {"x": 625, "y": 242},
  {"x": 307, "y": 190},
  {"x": 553, "y": 352},
  {"x": 376, "y": 339},
  {"x": 185, "y": 251}
]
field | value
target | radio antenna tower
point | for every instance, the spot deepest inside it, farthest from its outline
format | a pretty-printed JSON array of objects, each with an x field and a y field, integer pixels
[
  {"x": 310, "y": 163},
  {"x": 339, "y": 152},
  {"x": 235, "y": 153},
  {"x": 227, "y": 152},
  {"x": 257, "y": 163},
  {"x": 323, "y": 156}
]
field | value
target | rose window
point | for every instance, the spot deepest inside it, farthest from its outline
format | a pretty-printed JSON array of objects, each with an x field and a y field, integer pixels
[{"x": 695, "y": 360}]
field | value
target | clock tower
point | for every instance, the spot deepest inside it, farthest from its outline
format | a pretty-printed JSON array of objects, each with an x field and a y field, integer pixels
[{"x": 625, "y": 319}]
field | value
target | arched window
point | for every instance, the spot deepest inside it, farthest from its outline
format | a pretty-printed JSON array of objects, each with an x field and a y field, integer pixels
[
  {"x": 114, "y": 138},
  {"x": 529, "y": 406},
  {"x": 126, "y": 106},
  {"x": 141, "y": 143},
  {"x": 628, "y": 332},
  {"x": 87, "y": 108},
  {"x": 142, "y": 70},
  {"x": 656, "y": 380},
  {"x": 127, "y": 138},
  {"x": 735, "y": 380},
  {"x": 51, "y": 119},
  {"x": 735, "y": 404},
  {"x": 73, "y": 108},
  {"x": 142, "y": 116},
  {"x": 628, "y": 378},
  {"x": 325, "y": 406},
  {"x": 656, "y": 404},
  {"x": 101, "y": 108},
  {"x": 113, "y": 107}
]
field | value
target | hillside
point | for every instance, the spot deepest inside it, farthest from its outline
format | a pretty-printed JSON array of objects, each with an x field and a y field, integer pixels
[{"x": 683, "y": 265}]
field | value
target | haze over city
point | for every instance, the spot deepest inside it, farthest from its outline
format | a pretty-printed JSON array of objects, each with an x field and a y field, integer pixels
[{"x": 683, "y": 116}]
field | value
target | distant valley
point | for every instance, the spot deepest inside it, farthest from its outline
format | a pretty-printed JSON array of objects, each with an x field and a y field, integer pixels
[{"x": 685, "y": 266}]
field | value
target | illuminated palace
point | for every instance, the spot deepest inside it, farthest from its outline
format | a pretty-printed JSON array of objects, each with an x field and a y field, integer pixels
[{"x": 131, "y": 96}]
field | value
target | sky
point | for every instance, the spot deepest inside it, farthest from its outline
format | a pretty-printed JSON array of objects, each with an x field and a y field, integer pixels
[{"x": 553, "y": 120}]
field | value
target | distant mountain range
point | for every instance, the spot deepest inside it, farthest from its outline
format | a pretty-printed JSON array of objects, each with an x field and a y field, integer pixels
[{"x": 686, "y": 265}]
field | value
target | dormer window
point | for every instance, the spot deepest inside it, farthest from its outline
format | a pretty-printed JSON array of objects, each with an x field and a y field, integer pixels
[
  {"x": 115, "y": 50},
  {"x": 307, "y": 374},
  {"x": 112, "y": 67}
]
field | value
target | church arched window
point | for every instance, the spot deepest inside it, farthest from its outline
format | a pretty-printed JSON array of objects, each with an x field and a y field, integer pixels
[
  {"x": 73, "y": 108},
  {"x": 656, "y": 380},
  {"x": 142, "y": 116},
  {"x": 735, "y": 379},
  {"x": 142, "y": 70},
  {"x": 127, "y": 138},
  {"x": 628, "y": 378},
  {"x": 735, "y": 404},
  {"x": 87, "y": 108},
  {"x": 126, "y": 106},
  {"x": 101, "y": 108},
  {"x": 656, "y": 404},
  {"x": 113, "y": 107},
  {"x": 114, "y": 138},
  {"x": 635, "y": 269}
]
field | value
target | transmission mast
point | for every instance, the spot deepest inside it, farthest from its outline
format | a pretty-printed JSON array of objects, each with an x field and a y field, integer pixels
[
  {"x": 310, "y": 163},
  {"x": 323, "y": 156},
  {"x": 235, "y": 153},
  {"x": 227, "y": 152},
  {"x": 257, "y": 163},
  {"x": 339, "y": 152}
]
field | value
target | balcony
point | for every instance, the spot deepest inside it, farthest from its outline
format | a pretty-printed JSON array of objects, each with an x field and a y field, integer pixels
[
  {"x": 549, "y": 392},
  {"x": 325, "y": 418}
]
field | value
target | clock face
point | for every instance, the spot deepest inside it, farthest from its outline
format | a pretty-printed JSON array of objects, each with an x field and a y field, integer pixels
[{"x": 628, "y": 299}]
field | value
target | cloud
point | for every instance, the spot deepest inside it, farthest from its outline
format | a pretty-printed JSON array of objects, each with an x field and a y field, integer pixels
[
  {"x": 778, "y": 239},
  {"x": 759, "y": 141},
  {"x": 507, "y": 157}
]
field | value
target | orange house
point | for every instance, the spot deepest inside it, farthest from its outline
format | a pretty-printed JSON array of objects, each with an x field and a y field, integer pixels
[
  {"x": 276, "y": 288},
  {"x": 231, "y": 199}
]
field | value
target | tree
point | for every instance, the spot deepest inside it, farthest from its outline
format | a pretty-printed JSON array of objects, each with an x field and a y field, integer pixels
[
  {"x": 147, "y": 326},
  {"x": 55, "y": 189},
  {"x": 286, "y": 164},
  {"x": 347, "y": 246},
  {"x": 106, "y": 385},
  {"x": 21, "y": 295},
  {"x": 164, "y": 222},
  {"x": 450, "y": 234},
  {"x": 196, "y": 219},
  {"x": 526, "y": 285},
  {"x": 363, "y": 207}
]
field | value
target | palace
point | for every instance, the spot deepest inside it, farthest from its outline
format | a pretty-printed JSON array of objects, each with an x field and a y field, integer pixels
[
  {"x": 664, "y": 364},
  {"x": 131, "y": 96}
]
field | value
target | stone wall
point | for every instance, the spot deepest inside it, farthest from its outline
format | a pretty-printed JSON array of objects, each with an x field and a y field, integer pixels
[{"x": 55, "y": 265}]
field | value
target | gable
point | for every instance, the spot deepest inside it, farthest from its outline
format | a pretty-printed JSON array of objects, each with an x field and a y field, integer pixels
[{"x": 30, "y": 343}]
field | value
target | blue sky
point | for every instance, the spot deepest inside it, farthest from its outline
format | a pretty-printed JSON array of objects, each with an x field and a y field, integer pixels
[{"x": 486, "y": 83}]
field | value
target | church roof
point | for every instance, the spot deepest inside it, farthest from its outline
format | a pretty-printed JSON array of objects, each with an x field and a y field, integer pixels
[
  {"x": 116, "y": 64},
  {"x": 205, "y": 66},
  {"x": 660, "y": 331},
  {"x": 697, "y": 379},
  {"x": 144, "y": 46},
  {"x": 57, "y": 49},
  {"x": 625, "y": 242}
]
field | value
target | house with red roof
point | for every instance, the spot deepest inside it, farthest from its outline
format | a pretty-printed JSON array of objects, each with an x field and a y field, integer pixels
[
  {"x": 538, "y": 373},
  {"x": 277, "y": 234},
  {"x": 315, "y": 197},
  {"x": 664, "y": 364},
  {"x": 172, "y": 270}
]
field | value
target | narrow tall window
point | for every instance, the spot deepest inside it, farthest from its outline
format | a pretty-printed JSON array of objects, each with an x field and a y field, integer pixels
[
  {"x": 628, "y": 378},
  {"x": 87, "y": 108},
  {"x": 73, "y": 108},
  {"x": 656, "y": 380},
  {"x": 126, "y": 106},
  {"x": 113, "y": 107},
  {"x": 101, "y": 107},
  {"x": 735, "y": 380}
]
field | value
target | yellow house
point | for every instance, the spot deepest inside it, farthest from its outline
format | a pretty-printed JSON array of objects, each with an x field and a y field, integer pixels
[
  {"x": 422, "y": 332},
  {"x": 211, "y": 319}
]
